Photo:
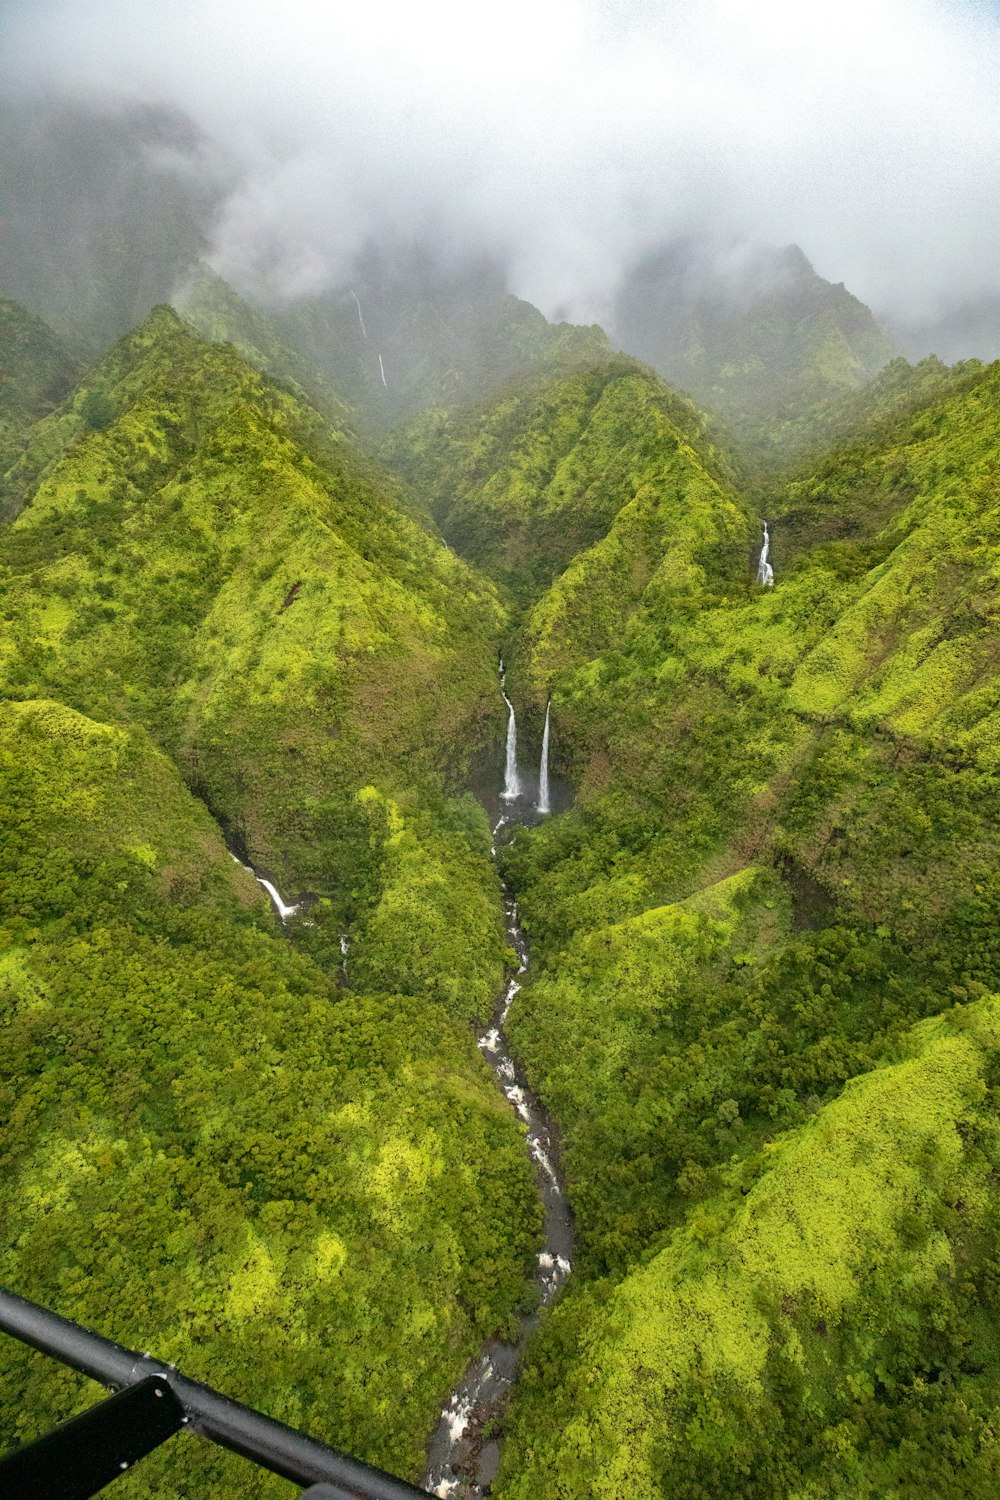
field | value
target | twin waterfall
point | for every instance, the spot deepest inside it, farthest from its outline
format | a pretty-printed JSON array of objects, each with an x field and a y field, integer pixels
[
  {"x": 511, "y": 779},
  {"x": 464, "y": 1450}
]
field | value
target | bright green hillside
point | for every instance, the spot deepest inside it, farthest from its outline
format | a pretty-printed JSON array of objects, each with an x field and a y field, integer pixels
[
  {"x": 782, "y": 856},
  {"x": 761, "y": 1000},
  {"x": 313, "y": 1199},
  {"x": 527, "y": 481},
  {"x": 207, "y": 559}
]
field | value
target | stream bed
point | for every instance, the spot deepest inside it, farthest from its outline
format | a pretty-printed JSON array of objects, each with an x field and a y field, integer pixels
[{"x": 464, "y": 1451}]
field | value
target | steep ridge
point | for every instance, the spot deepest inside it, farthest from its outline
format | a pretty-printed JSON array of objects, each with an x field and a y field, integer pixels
[
  {"x": 312, "y": 1198},
  {"x": 216, "y": 564},
  {"x": 218, "y": 313},
  {"x": 782, "y": 855},
  {"x": 525, "y": 483}
]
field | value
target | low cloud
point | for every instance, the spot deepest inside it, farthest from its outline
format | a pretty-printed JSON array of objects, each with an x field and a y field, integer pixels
[{"x": 568, "y": 138}]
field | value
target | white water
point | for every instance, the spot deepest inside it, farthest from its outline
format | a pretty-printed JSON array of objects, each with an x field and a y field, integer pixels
[
  {"x": 357, "y": 304},
  {"x": 381, "y": 370},
  {"x": 765, "y": 573},
  {"x": 281, "y": 907},
  {"x": 511, "y": 780},
  {"x": 543, "y": 775}
]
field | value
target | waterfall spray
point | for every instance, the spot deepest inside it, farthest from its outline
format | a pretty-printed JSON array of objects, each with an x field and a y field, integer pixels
[
  {"x": 765, "y": 573},
  {"x": 543, "y": 775}
]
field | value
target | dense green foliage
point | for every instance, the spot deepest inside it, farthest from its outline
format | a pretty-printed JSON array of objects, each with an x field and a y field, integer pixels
[
  {"x": 524, "y": 483},
  {"x": 761, "y": 1002},
  {"x": 316, "y": 1200},
  {"x": 205, "y": 301},
  {"x": 782, "y": 856},
  {"x": 823, "y": 1325},
  {"x": 216, "y": 564}
]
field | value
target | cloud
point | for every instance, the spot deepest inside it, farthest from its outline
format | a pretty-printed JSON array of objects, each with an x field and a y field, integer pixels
[{"x": 570, "y": 136}]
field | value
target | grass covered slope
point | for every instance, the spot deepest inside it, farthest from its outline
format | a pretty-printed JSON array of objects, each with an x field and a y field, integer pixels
[
  {"x": 528, "y": 481},
  {"x": 314, "y": 1200},
  {"x": 829, "y": 1331},
  {"x": 213, "y": 563},
  {"x": 782, "y": 856}
]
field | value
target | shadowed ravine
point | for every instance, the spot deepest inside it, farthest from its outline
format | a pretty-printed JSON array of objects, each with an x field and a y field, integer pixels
[{"x": 464, "y": 1452}]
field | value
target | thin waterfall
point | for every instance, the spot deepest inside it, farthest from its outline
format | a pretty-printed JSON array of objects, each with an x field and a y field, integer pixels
[
  {"x": 361, "y": 320},
  {"x": 381, "y": 370},
  {"x": 511, "y": 780},
  {"x": 765, "y": 573},
  {"x": 543, "y": 775}
]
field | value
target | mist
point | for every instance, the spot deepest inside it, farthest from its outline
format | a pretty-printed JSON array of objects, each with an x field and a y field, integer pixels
[{"x": 565, "y": 139}]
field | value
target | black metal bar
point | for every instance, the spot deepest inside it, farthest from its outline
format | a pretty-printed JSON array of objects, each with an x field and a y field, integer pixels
[
  {"x": 267, "y": 1442},
  {"x": 80, "y": 1457}
]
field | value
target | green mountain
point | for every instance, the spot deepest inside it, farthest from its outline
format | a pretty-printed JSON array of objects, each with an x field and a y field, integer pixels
[
  {"x": 218, "y": 313},
  {"x": 218, "y": 1140},
  {"x": 761, "y": 1002},
  {"x": 216, "y": 564},
  {"x": 410, "y": 332},
  {"x": 752, "y": 332},
  {"x": 782, "y": 859},
  {"x": 528, "y": 481},
  {"x": 211, "y": 1149}
]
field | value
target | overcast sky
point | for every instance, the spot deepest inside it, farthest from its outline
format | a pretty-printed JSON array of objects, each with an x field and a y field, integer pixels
[{"x": 571, "y": 135}]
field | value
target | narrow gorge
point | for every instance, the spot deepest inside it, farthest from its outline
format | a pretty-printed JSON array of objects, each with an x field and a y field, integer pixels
[{"x": 464, "y": 1451}]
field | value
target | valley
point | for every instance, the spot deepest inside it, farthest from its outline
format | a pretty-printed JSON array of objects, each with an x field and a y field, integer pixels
[{"x": 278, "y": 1073}]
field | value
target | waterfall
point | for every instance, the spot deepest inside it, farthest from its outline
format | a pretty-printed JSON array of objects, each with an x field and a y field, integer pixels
[
  {"x": 357, "y": 304},
  {"x": 381, "y": 370},
  {"x": 765, "y": 573},
  {"x": 543, "y": 775},
  {"x": 281, "y": 907},
  {"x": 511, "y": 780}
]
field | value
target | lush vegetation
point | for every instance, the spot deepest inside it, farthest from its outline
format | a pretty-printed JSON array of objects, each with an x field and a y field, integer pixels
[
  {"x": 215, "y": 563},
  {"x": 314, "y": 1199},
  {"x": 761, "y": 1003},
  {"x": 781, "y": 859},
  {"x": 526, "y": 482}
]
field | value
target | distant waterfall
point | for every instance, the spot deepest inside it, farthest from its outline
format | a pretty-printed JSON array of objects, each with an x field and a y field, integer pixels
[
  {"x": 361, "y": 320},
  {"x": 765, "y": 573},
  {"x": 543, "y": 775},
  {"x": 381, "y": 370},
  {"x": 511, "y": 780}
]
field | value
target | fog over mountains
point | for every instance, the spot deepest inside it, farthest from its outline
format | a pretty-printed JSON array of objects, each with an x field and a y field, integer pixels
[{"x": 570, "y": 145}]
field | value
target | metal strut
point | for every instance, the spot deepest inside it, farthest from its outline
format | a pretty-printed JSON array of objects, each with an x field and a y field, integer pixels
[{"x": 154, "y": 1401}]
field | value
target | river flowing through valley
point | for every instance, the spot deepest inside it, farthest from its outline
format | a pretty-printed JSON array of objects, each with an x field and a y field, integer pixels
[{"x": 464, "y": 1451}]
